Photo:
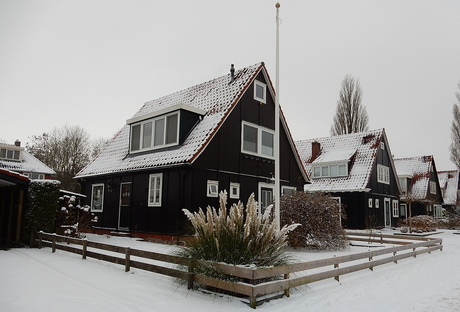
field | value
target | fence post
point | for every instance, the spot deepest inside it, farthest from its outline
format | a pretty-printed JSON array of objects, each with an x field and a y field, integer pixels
[
  {"x": 83, "y": 252},
  {"x": 40, "y": 240},
  {"x": 191, "y": 276},
  {"x": 336, "y": 266},
  {"x": 371, "y": 259},
  {"x": 287, "y": 291},
  {"x": 394, "y": 254},
  {"x": 127, "y": 258},
  {"x": 415, "y": 255},
  {"x": 31, "y": 243},
  {"x": 53, "y": 245}
]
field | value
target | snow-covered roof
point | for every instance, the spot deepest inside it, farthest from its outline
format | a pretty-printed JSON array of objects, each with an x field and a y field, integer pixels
[
  {"x": 417, "y": 168},
  {"x": 28, "y": 164},
  {"x": 216, "y": 97},
  {"x": 448, "y": 181},
  {"x": 358, "y": 149}
]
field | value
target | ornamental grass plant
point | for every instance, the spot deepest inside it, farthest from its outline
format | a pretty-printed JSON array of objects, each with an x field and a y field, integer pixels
[{"x": 238, "y": 236}]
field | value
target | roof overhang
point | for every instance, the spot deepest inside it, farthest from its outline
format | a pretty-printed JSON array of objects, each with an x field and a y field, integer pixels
[{"x": 166, "y": 111}]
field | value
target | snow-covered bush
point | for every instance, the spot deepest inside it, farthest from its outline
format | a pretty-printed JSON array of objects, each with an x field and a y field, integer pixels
[
  {"x": 72, "y": 218},
  {"x": 238, "y": 236},
  {"x": 419, "y": 224},
  {"x": 41, "y": 211},
  {"x": 319, "y": 215}
]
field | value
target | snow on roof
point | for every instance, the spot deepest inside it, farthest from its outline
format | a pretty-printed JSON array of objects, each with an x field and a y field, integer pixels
[
  {"x": 418, "y": 169},
  {"x": 448, "y": 181},
  {"x": 217, "y": 97},
  {"x": 28, "y": 164},
  {"x": 358, "y": 149}
]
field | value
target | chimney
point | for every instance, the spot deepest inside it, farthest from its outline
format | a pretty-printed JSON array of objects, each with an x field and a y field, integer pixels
[
  {"x": 17, "y": 143},
  {"x": 315, "y": 150},
  {"x": 232, "y": 73}
]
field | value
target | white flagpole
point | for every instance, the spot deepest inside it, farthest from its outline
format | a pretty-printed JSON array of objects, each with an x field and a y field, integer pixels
[{"x": 277, "y": 125}]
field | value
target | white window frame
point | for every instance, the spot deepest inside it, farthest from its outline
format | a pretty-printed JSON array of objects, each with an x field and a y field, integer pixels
[
  {"x": 12, "y": 153},
  {"x": 156, "y": 187},
  {"x": 152, "y": 145},
  {"x": 370, "y": 201},
  {"x": 93, "y": 199},
  {"x": 262, "y": 99},
  {"x": 323, "y": 167},
  {"x": 395, "y": 208},
  {"x": 260, "y": 131},
  {"x": 212, "y": 189},
  {"x": 382, "y": 146},
  {"x": 234, "y": 190},
  {"x": 432, "y": 187},
  {"x": 377, "y": 203},
  {"x": 403, "y": 210},
  {"x": 383, "y": 174}
]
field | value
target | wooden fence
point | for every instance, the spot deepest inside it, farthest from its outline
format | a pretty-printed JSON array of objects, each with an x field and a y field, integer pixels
[{"x": 256, "y": 286}]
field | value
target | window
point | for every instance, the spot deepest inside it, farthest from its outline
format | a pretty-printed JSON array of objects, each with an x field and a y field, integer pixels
[
  {"x": 395, "y": 208},
  {"x": 234, "y": 190},
  {"x": 97, "y": 197},
  {"x": 287, "y": 190},
  {"x": 432, "y": 187},
  {"x": 383, "y": 174},
  {"x": 370, "y": 202},
  {"x": 260, "y": 91},
  {"x": 257, "y": 140},
  {"x": 11, "y": 153},
  {"x": 35, "y": 176},
  {"x": 333, "y": 170},
  {"x": 403, "y": 184},
  {"x": 213, "y": 188},
  {"x": 155, "y": 187},
  {"x": 155, "y": 132},
  {"x": 266, "y": 198},
  {"x": 377, "y": 203},
  {"x": 382, "y": 145},
  {"x": 403, "y": 210}
]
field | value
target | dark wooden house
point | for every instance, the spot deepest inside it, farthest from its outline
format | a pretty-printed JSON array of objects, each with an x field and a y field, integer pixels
[
  {"x": 419, "y": 185},
  {"x": 181, "y": 150},
  {"x": 358, "y": 170}
]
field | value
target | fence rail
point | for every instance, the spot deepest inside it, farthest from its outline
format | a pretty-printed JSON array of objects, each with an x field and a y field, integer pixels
[{"x": 256, "y": 285}]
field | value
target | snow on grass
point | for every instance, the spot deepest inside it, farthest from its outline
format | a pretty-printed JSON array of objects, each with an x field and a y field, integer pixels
[{"x": 38, "y": 280}]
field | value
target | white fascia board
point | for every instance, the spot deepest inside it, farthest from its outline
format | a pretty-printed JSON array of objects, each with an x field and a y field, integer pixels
[{"x": 165, "y": 111}]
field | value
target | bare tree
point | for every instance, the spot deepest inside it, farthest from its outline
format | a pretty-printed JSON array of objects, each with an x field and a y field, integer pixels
[
  {"x": 66, "y": 150},
  {"x": 455, "y": 131},
  {"x": 350, "y": 116}
]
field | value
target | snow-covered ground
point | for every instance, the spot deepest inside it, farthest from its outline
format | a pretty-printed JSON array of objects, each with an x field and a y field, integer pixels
[{"x": 38, "y": 280}]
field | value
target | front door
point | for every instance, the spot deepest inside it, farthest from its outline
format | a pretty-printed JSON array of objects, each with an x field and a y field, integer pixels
[
  {"x": 387, "y": 212},
  {"x": 124, "y": 213}
]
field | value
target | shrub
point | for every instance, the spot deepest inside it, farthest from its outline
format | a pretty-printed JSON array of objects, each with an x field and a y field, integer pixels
[
  {"x": 42, "y": 201},
  {"x": 420, "y": 224},
  {"x": 72, "y": 218},
  {"x": 319, "y": 215},
  {"x": 239, "y": 237}
]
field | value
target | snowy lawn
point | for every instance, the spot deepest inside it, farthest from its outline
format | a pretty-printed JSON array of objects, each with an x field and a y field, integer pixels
[{"x": 38, "y": 280}]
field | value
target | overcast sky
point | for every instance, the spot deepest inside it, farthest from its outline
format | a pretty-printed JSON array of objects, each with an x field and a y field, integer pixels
[{"x": 94, "y": 63}]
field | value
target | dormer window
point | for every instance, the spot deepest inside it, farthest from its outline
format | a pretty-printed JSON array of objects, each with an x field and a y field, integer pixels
[
  {"x": 330, "y": 170},
  {"x": 162, "y": 128},
  {"x": 260, "y": 91},
  {"x": 11, "y": 152}
]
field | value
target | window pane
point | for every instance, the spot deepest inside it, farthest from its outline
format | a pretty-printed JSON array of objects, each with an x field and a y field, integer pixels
[
  {"x": 97, "y": 197},
  {"x": 9, "y": 154},
  {"x": 3, "y": 153},
  {"x": 16, "y": 155},
  {"x": 171, "y": 131},
  {"x": 316, "y": 171},
  {"x": 342, "y": 170},
  {"x": 147, "y": 135},
  {"x": 135, "y": 137},
  {"x": 325, "y": 171},
  {"x": 159, "y": 132},
  {"x": 249, "y": 139},
  {"x": 334, "y": 170},
  {"x": 267, "y": 143},
  {"x": 260, "y": 91}
]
